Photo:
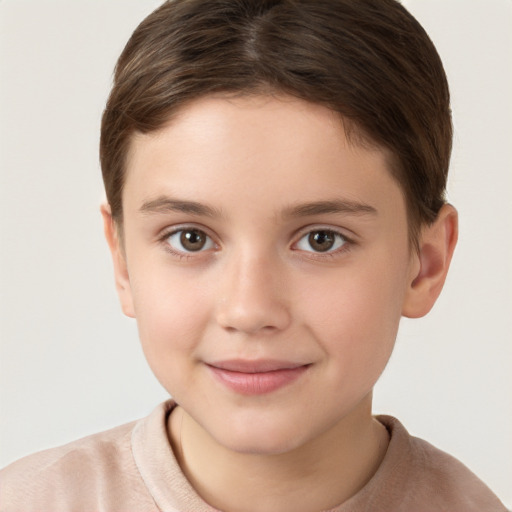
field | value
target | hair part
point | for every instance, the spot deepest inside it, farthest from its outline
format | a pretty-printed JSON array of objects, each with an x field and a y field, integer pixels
[{"x": 368, "y": 60}]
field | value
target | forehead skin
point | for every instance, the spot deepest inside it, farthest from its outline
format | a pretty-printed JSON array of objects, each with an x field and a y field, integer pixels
[{"x": 297, "y": 135}]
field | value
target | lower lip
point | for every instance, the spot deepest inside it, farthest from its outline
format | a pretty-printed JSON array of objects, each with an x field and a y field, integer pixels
[{"x": 257, "y": 383}]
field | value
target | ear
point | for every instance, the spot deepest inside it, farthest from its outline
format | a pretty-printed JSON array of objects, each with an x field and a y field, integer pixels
[
  {"x": 431, "y": 262},
  {"x": 122, "y": 277}
]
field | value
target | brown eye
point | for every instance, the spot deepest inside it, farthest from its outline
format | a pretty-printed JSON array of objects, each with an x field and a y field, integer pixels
[
  {"x": 190, "y": 240},
  {"x": 321, "y": 240},
  {"x": 193, "y": 240}
]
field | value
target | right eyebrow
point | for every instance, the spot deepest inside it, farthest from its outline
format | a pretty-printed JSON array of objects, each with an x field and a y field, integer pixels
[
  {"x": 342, "y": 206},
  {"x": 165, "y": 204}
]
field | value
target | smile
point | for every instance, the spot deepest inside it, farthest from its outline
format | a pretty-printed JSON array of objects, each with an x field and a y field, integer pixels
[{"x": 256, "y": 377}]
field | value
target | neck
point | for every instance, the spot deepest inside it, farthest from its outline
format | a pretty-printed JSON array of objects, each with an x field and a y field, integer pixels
[{"x": 316, "y": 476}]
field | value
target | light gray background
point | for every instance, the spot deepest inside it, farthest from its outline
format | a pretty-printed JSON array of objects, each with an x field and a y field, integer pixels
[{"x": 71, "y": 363}]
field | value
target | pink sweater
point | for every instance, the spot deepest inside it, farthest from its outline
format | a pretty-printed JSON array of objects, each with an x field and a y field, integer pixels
[{"x": 132, "y": 468}]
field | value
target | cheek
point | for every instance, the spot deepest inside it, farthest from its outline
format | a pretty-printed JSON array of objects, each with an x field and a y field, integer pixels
[
  {"x": 171, "y": 312},
  {"x": 356, "y": 315}
]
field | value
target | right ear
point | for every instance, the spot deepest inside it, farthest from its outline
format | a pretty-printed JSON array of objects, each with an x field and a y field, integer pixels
[{"x": 122, "y": 277}]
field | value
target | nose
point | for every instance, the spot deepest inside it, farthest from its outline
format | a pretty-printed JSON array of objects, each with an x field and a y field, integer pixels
[{"x": 252, "y": 297}]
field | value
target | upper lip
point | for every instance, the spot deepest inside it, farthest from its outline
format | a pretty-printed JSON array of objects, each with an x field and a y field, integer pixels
[{"x": 255, "y": 366}]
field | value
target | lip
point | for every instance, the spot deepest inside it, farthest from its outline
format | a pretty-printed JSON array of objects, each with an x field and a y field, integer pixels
[{"x": 256, "y": 377}]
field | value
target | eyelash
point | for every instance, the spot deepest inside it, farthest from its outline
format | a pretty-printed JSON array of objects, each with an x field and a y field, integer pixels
[{"x": 346, "y": 245}]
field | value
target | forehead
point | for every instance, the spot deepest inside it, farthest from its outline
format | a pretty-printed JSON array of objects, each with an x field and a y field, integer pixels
[
  {"x": 278, "y": 149},
  {"x": 267, "y": 119}
]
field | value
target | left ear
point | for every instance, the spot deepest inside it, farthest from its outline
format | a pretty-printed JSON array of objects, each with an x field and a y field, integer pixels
[{"x": 436, "y": 245}]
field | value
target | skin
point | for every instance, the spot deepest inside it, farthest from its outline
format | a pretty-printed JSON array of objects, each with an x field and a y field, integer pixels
[{"x": 258, "y": 289}]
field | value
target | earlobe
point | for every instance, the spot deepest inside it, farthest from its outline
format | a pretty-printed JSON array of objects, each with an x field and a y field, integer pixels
[
  {"x": 436, "y": 246},
  {"x": 115, "y": 244}
]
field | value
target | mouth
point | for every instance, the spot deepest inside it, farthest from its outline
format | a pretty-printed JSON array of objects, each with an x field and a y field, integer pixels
[{"x": 256, "y": 377}]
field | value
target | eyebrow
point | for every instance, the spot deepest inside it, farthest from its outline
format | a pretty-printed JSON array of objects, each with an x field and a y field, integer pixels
[
  {"x": 343, "y": 206},
  {"x": 164, "y": 204}
]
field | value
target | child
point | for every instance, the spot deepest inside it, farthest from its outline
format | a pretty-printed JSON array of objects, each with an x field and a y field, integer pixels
[{"x": 275, "y": 175}]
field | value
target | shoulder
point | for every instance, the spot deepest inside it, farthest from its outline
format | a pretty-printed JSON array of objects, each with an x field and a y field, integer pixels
[
  {"x": 85, "y": 472},
  {"x": 104, "y": 448},
  {"x": 434, "y": 477}
]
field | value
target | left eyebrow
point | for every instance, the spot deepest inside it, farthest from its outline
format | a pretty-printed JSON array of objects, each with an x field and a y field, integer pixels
[
  {"x": 164, "y": 204},
  {"x": 342, "y": 206}
]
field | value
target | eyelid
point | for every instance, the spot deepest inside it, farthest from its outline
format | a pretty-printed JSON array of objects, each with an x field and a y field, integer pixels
[
  {"x": 349, "y": 235},
  {"x": 182, "y": 226}
]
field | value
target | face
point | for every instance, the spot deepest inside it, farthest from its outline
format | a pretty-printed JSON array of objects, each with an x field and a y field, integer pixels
[{"x": 267, "y": 264}]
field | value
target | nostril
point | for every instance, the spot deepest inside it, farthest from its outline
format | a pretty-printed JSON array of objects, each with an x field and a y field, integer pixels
[{"x": 265, "y": 320}]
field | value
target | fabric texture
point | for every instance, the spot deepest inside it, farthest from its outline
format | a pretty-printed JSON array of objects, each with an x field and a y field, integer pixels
[{"x": 132, "y": 468}]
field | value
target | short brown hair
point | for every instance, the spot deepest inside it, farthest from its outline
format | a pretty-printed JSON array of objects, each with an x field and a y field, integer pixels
[{"x": 368, "y": 60}]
